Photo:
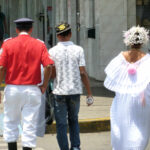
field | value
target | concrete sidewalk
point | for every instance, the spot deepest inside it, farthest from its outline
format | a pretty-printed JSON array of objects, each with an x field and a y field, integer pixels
[{"x": 102, "y": 102}]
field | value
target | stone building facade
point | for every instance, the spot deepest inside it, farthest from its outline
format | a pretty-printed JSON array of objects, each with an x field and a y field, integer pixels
[{"x": 97, "y": 25}]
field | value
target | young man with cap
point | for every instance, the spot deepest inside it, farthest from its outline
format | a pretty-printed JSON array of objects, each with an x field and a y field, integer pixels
[
  {"x": 22, "y": 57},
  {"x": 70, "y": 71}
]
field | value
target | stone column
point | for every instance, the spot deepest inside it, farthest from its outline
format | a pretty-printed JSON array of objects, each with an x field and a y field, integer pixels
[
  {"x": 54, "y": 20},
  {"x": 63, "y": 10},
  {"x": 87, "y": 20},
  {"x": 131, "y": 12},
  {"x": 14, "y": 11},
  {"x": 110, "y": 20},
  {"x": 22, "y": 8},
  {"x": 113, "y": 20},
  {"x": 73, "y": 21},
  {"x": 34, "y": 11},
  {"x": 83, "y": 31},
  {"x": 57, "y": 11}
]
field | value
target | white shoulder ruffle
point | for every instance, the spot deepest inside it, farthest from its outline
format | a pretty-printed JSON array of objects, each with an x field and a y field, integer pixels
[{"x": 117, "y": 77}]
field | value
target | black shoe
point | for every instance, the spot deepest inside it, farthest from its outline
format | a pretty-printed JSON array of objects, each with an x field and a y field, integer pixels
[
  {"x": 27, "y": 148},
  {"x": 12, "y": 146}
]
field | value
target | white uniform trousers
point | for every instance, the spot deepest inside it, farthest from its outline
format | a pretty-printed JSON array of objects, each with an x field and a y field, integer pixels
[{"x": 21, "y": 102}]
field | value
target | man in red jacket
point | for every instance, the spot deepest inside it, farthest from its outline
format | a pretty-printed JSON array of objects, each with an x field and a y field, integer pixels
[{"x": 22, "y": 57}]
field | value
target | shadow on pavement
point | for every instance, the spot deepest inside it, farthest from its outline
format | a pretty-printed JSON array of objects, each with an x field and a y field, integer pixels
[{"x": 98, "y": 89}]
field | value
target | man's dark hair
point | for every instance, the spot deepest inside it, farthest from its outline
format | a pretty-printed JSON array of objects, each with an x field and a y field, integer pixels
[
  {"x": 24, "y": 26},
  {"x": 66, "y": 33}
]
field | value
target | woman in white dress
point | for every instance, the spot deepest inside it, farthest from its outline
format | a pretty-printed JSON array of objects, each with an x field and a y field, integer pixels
[{"x": 128, "y": 75}]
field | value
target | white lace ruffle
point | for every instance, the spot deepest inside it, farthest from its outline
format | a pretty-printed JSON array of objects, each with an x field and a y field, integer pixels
[{"x": 119, "y": 80}]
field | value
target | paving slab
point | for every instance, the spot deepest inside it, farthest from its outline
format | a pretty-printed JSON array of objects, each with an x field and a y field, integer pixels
[{"x": 100, "y": 108}]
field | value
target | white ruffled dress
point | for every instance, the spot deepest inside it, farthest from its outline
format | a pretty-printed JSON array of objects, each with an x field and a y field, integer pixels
[{"x": 130, "y": 116}]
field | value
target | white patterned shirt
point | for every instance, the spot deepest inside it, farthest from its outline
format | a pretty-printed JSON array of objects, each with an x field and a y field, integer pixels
[{"x": 67, "y": 57}]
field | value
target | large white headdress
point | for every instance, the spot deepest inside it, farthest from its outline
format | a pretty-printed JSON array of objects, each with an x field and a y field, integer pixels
[{"x": 136, "y": 35}]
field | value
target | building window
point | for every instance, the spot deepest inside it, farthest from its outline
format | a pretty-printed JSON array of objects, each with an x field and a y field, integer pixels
[{"x": 143, "y": 13}]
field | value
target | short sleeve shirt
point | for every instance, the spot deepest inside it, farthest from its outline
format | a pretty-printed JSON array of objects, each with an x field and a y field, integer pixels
[
  {"x": 22, "y": 57},
  {"x": 67, "y": 57}
]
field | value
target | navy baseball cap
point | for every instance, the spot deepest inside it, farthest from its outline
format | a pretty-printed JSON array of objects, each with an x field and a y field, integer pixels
[{"x": 24, "y": 21}]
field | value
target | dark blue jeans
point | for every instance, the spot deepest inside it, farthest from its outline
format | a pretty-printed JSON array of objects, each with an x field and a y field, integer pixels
[{"x": 66, "y": 109}]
